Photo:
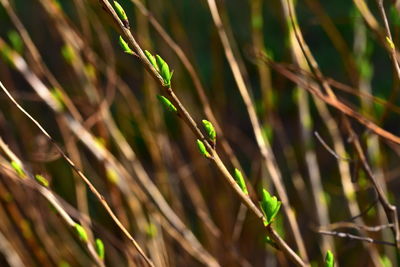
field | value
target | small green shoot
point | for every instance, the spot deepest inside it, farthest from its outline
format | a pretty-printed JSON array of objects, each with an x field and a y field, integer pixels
[
  {"x": 152, "y": 60},
  {"x": 81, "y": 232},
  {"x": 166, "y": 103},
  {"x": 68, "y": 53},
  {"x": 210, "y": 130},
  {"x": 41, "y": 180},
  {"x": 18, "y": 169},
  {"x": 58, "y": 97},
  {"x": 100, "y": 248},
  {"x": 270, "y": 206},
  {"x": 202, "y": 149},
  {"x": 121, "y": 14},
  {"x": 164, "y": 71},
  {"x": 16, "y": 41},
  {"x": 7, "y": 53},
  {"x": 240, "y": 181},
  {"x": 329, "y": 259},
  {"x": 151, "y": 230},
  {"x": 125, "y": 46},
  {"x": 390, "y": 42},
  {"x": 161, "y": 66},
  {"x": 112, "y": 175}
]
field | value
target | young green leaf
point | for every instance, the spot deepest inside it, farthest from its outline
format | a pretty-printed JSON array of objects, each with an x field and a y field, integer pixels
[
  {"x": 100, "y": 248},
  {"x": 164, "y": 71},
  {"x": 7, "y": 53},
  {"x": 81, "y": 232},
  {"x": 68, "y": 53},
  {"x": 112, "y": 175},
  {"x": 329, "y": 259},
  {"x": 16, "y": 41},
  {"x": 18, "y": 169},
  {"x": 210, "y": 130},
  {"x": 152, "y": 59},
  {"x": 125, "y": 46},
  {"x": 166, "y": 103},
  {"x": 390, "y": 42},
  {"x": 202, "y": 149},
  {"x": 59, "y": 98},
  {"x": 41, "y": 180},
  {"x": 240, "y": 181},
  {"x": 270, "y": 206},
  {"x": 121, "y": 14},
  {"x": 151, "y": 230}
]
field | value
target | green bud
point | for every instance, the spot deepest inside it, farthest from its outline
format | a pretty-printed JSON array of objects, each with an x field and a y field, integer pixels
[
  {"x": 164, "y": 71},
  {"x": 41, "y": 180},
  {"x": 81, "y": 232},
  {"x": 270, "y": 206},
  {"x": 152, "y": 59},
  {"x": 16, "y": 41},
  {"x": 112, "y": 175},
  {"x": 7, "y": 53},
  {"x": 125, "y": 46},
  {"x": 166, "y": 103},
  {"x": 210, "y": 130},
  {"x": 68, "y": 53},
  {"x": 58, "y": 97},
  {"x": 18, "y": 169},
  {"x": 100, "y": 248},
  {"x": 151, "y": 230},
  {"x": 121, "y": 14},
  {"x": 390, "y": 42},
  {"x": 329, "y": 259},
  {"x": 202, "y": 149},
  {"x": 63, "y": 264},
  {"x": 240, "y": 181}
]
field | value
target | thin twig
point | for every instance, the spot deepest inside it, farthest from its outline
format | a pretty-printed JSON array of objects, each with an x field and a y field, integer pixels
[
  {"x": 330, "y": 150},
  {"x": 356, "y": 237}
]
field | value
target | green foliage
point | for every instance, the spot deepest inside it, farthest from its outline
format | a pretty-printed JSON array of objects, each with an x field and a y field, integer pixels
[
  {"x": 18, "y": 169},
  {"x": 100, "y": 248},
  {"x": 202, "y": 149},
  {"x": 58, "y": 97},
  {"x": 210, "y": 130},
  {"x": 125, "y": 46},
  {"x": 270, "y": 206},
  {"x": 240, "y": 181},
  {"x": 41, "y": 180},
  {"x": 121, "y": 14},
  {"x": 161, "y": 66},
  {"x": 68, "y": 53},
  {"x": 7, "y": 54},
  {"x": 166, "y": 103},
  {"x": 16, "y": 41},
  {"x": 385, "y": 261},
  {"x": 111, "y": 175},
  {"x": 152, "y": 60},
  {"x": 329, "y": 259},
  {"x": 164, "y": 71},
  {"x": 63, "y": 264},
  {"x": 81, "y": 232},
  {"x": 151, "y": 230}
]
